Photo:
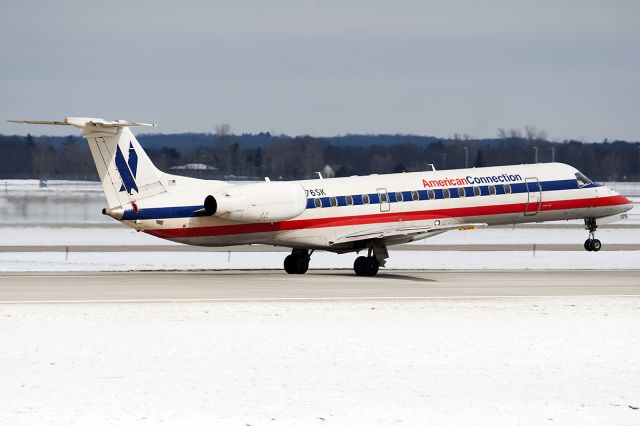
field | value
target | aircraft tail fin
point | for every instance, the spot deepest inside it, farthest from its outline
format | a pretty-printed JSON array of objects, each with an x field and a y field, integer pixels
[{"x": 126, "y": 172}]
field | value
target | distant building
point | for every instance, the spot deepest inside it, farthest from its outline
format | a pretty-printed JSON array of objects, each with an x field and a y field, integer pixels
[
  {"x": 194, "y": 166},
  {"x": 328, "y": 172}
]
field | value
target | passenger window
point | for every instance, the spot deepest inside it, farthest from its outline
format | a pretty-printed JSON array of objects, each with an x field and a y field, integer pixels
[
  {"x": 399, "y": 196},
  {"x": 507, "y": 189},
  {"x": 349, "y": 200},
  {"x": 365, "y": 199},
  {"x": 446, "y": 193},
  {"x": 461, "y": 192},
  {"x": 415, "y": 196},
  {"x": 317, "y": 203},
  {"x": 333, "y": 201},
  {"x": 492, "y": 190},
  {"x": 384, "y": 198},
  {"x": 476, "y": 190},
  {"x": 431, "y": 194}
]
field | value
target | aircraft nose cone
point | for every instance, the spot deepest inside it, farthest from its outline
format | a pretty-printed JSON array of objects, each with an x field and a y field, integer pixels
[
  {"x": 623, "y": 204},
  {"x": 629, "y": 204}
]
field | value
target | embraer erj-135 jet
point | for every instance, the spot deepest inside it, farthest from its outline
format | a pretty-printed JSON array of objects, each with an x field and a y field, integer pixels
[{"x": 341, "y": 215}]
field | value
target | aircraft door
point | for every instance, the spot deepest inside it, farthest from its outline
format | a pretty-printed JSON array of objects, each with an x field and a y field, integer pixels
[
  {"x": 534, "y": 197},
  {"x": 385, "y": 206}
]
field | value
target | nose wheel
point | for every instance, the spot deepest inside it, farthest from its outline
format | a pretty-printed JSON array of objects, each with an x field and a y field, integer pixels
[{"x": 592, "y": 243}]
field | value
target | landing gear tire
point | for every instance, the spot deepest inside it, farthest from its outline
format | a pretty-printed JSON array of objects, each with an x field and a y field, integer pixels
[
  {"x": 592, "y": 243},
  {"x": 296, "y": 264},
  {"x": 301, "y": 265},
  {"x": 358, "y": 265},
  {"x": 366, "y": 266},
  {"x": 289, "y": 265},
  {"x": 372, "y": 266}
]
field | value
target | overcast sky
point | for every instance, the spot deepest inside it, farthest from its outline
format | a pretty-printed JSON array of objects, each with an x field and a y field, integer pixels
[{"x": 324, "y": 68}]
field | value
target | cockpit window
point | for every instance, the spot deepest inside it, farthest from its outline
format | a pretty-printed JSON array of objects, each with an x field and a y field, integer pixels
[{"x": 582, "y": 180}]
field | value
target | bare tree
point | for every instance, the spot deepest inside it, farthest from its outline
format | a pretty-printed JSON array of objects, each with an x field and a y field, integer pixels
[
  {"x": 515, "y": 134},
  {"x": 533, "y": 134},
  {"x": 222, "y": 149},
  {"x": 223, "y": 130},
  {"x": 509, "y": 133}
]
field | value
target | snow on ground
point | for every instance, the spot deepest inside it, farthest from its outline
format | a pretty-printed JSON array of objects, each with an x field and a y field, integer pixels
[
  {"x": 68, "y": 235},
  {"x": 123, "y": 235},
  {"x": 529, "y": 361},
  {"x": 425, "y": 260},
  {"x": 51, "y": 185},
  {"x": 537, "y": 235},
  {"x": 80, "y": 204},
  {"x": 25, "y": 202}
]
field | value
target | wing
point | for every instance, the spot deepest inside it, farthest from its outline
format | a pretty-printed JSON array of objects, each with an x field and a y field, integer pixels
[{"x": 404, "y": 231}]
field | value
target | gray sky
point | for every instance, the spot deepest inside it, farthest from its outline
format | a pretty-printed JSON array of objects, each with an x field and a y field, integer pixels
[{"x": 324, "y": 67}]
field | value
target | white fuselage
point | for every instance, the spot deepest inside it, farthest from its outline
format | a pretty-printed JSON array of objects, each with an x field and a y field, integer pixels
[{"x": 342, "y": 207}]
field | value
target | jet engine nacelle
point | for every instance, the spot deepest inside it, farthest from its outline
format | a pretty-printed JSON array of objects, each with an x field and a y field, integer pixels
[{"x": 258, "y": 202}]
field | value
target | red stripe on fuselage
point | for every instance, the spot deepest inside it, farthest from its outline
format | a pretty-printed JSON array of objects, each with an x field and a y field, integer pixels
[{"x": 326, "y": 222}]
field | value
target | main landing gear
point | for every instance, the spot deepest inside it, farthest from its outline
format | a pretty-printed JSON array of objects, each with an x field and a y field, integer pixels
[
  {"x": 365, "y": 266},
  {"x": 592, "y": 243},
  {"x": 298, "y": 261},
  {"x": 368, "y": 266}
]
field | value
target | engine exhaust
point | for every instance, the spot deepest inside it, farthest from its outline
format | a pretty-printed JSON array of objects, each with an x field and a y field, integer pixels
[{"x": 117, "y": 212}]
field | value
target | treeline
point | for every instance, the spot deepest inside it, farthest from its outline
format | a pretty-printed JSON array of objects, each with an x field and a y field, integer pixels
[{"x": 282, "y": 157}]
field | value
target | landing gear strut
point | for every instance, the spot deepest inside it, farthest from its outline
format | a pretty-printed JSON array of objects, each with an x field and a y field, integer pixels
[
  {"x": 592, "y": 243},
  {"x": 298, "y": 261},
  {"x": 367, "y": 266}
]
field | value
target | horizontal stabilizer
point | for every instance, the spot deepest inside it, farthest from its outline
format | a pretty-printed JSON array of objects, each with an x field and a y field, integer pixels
[
  {"x": 84, "y": 122},
  {"x": 55, "y": 123}
]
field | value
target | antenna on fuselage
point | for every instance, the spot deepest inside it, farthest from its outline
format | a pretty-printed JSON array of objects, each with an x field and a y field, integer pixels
[
  {"x": 433, "y": 168},
  {"x": 320, "y": 175}
]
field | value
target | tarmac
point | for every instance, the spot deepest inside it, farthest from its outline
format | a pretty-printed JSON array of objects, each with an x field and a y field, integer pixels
[{"x": 276, "y": 285}]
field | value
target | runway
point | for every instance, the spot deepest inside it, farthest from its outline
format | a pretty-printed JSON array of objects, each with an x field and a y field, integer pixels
[{"x": 275, "y": 285}]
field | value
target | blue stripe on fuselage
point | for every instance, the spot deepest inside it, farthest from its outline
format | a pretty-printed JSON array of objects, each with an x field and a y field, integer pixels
[
  {"x": 165, "y": 213},
  {"x": 190, "y": 211}
]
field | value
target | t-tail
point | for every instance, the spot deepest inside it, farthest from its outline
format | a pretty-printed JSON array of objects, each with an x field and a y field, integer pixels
[{"x": 126, "y": 172}]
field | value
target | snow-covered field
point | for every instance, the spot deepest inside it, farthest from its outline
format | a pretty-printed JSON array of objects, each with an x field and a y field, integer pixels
[
  {"x": 418, "y": 260},
  {"x": 25, "y": 202},
  {"x": 529, "y": 361},
  {"x": 67, "y": 213},
  {"x": 123, "y": 235},
  {"x": 97, "y": 260}
]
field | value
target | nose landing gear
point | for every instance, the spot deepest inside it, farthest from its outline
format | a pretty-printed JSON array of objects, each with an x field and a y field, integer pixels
[
  {"x": 298, "y": 261},
  {"x": 592, "y": 243}
]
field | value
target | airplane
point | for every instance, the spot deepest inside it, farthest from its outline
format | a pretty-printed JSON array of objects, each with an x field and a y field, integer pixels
[{"x": 340, "y": 215}]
